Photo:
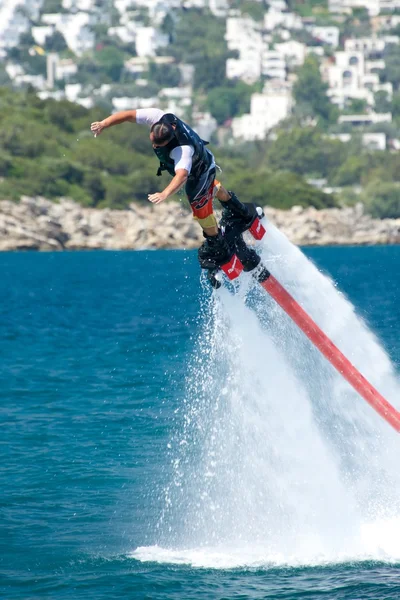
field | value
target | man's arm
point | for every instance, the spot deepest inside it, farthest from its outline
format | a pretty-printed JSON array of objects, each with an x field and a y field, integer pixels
[
  {"x": 115, "y": 119},
  {"x": 177, "y": 182}
]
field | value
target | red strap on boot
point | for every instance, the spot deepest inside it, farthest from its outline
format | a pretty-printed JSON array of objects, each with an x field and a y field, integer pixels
[
  {"x": 257, "y": 229},
  {"x": 233, "y": 268}
]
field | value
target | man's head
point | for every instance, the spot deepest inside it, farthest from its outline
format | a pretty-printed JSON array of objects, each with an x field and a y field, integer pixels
[{"x": 161, "y": 134}]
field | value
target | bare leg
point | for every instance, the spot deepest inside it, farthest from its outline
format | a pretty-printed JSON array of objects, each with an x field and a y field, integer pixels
[
  {"x": 213, "y": 231},
  {"x": 223, "y": 195}
]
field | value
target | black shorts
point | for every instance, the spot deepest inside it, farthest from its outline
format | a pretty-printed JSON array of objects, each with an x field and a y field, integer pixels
[{"x": 200, "y": 193}]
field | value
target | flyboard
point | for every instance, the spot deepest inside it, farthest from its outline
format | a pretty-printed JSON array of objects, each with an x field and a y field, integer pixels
[{"x": 244, "y": 258}]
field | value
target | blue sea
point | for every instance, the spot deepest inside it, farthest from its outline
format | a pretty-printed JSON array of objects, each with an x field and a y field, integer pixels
[{"x": 102, "y": 358}]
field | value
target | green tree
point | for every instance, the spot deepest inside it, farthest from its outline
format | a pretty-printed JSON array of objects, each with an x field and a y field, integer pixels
[
  {"x": 310, "y": 91},
  {"x": 383, "y": 199},
  {"x": 350, "y": 172},
  {"x": 356, "y": 106},
  {"x": 56, "y": 42},
  {"x": 254, "y": 9},
  {"x": 111, "y": 61},
  {"x": 4, "y": 78},
  {"x": 225, "y": 102},
  {"x": 391, "y": 72},
  {"x": 207, "y": 50},
  {"x": 396, "y": 107},
  {"x": 52, "y": 6},
  {"x": 164, "y": 75},
  {"x": 382, "y": 102},
  {"x": 306, "y": 152}
]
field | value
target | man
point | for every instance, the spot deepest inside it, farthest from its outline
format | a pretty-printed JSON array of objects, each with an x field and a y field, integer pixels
[{"x": 183, "y": 154}]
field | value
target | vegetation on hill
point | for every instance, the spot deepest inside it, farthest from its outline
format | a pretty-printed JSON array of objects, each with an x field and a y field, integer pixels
[{"x": 47, "y": 149}]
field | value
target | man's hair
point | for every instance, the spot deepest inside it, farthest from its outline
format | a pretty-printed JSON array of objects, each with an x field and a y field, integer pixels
[{"x": 162, "y": 132}]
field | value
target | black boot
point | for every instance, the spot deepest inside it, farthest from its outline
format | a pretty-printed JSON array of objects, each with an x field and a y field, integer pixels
[
  {"x": 214, "y": 251},
  {"x": 247, "y": 256},
  {"x": 236, "y": 209}
]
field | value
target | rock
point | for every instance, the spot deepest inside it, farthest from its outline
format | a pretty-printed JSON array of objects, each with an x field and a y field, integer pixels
[{"x": 38, "y": 224}]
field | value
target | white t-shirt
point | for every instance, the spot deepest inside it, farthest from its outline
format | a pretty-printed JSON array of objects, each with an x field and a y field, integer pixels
[{"x": 181, "y": 155}]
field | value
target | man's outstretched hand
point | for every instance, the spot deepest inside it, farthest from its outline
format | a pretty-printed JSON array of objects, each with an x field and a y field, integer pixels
[
  {"x": 96, "y": 128},
  {"x": 157, "y": 198}
]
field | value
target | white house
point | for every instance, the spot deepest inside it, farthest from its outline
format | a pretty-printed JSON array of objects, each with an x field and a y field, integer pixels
[
  {"x": 78, "y": 5},
  {"x": 126, "y": 34},
  {"x": 266, "y": 111},
  {"x": 12, "y": 23},
  {"x": 128, "y": 103},
  {"x": 73, "y": 91},
  {"x": 176, "y": 99},
  {"x": 372, "y": 141},
  {"x": 362, "y": 120},
  {"x": 40, "y": 34},
  {"x": 204, "y": 124},
  {"x": 244, "y": 35},
  {"x": 219, "y": 8},
  {"x": 279, "y": 16},
  {"x": 374, "y": 7},
  {"x": 76, "y": 29},
  {"x": 350, "y": 76},
  {"x": 327, "y": 35},
  {"x": 293, "y": 52},
  {"x": 148, "y": 40},
  {"x": 273, "y": 64}
]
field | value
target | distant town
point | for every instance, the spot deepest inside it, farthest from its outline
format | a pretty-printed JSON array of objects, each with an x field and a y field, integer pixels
[{"x": 105, "y": 52}]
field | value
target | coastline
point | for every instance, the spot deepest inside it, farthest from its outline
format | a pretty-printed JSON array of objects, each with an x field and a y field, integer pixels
[{"x": 38, "y": 224}]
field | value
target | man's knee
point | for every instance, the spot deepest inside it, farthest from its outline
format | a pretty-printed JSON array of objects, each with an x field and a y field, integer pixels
[
  {"x": 207, "y": 222},
  {"x": 222, "y": 194}
]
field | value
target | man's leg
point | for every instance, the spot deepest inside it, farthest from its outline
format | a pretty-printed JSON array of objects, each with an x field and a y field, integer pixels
[
  {"x": 200, "y": 193},
  {"x": 231, "y": 202},
  {"x": 215, "y": 250}
]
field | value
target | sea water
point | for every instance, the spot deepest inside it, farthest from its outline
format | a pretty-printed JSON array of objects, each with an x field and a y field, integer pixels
[{"x": 163, "y": 441}]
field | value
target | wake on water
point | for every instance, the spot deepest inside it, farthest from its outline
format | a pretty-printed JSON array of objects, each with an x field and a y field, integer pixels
[{"x": 278, "y": 460}]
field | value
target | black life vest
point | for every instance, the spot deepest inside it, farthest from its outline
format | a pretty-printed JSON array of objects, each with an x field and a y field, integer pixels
[{"x": 183, "y": 136}]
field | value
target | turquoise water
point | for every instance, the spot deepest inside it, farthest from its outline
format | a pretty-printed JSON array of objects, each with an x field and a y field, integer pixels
[{"x": 96, "y": 359}]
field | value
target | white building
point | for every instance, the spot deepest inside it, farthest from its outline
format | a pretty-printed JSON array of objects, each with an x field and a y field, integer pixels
[
  {"x": 385, "y": 22},
  {"x": 219, "y": 8},
  {"x": 78, "y": 5},
  {"x": 266, "y": 111},
  {"x": 293, "y": 52},
  {"x": 372, "y": 141},
  {"x": 73, "y": 91},
  {"x": 273, "y": 64},
  {"x": 128, "y": 103},
  {"x": 51, "y": 65},
  {"x": 362, "y": 120},
  {"x": 279, "y": 16},
  {"x": 326, "y": 35},
  {"x": 76, "y": 29},
  {"x": 12, "y": 24},
  {"x": 244, "y": 35},
  {"x": 204, "y": 124},
  {"x": 370, "y": 46},
  {"x": 126, "y": 34},
  {"x": 175, "y": 100},
  {"x": 40, "y": 34},
  {"x": 351, "y": 76},
  {"x": 148, "y": 40},
  {"x": 374, "y": 7}
]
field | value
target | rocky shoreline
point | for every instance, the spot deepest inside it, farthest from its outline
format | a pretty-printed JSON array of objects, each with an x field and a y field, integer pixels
[{"x": 38, "y": 224}]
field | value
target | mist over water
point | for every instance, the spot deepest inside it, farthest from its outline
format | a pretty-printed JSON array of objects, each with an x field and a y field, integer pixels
[{"x": 276, "y": 459}]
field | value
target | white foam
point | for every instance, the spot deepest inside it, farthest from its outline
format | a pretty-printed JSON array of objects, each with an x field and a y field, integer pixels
[{"x": 276, "y": 460}]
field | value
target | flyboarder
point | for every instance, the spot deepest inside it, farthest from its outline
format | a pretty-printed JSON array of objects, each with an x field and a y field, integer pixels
[{"x": 183, "y": 154}]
